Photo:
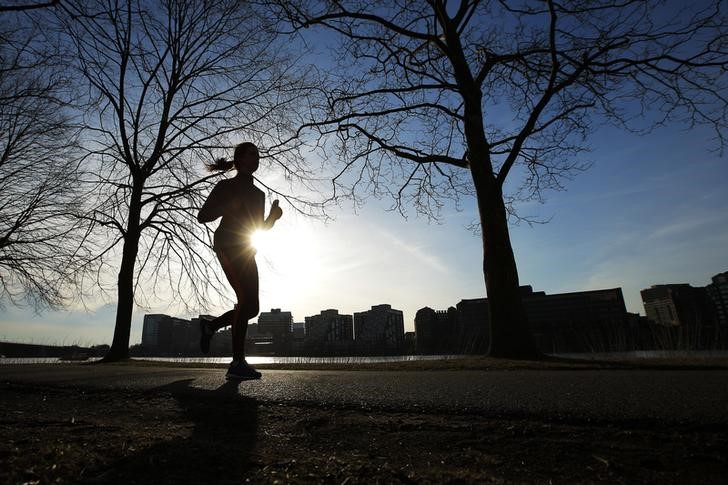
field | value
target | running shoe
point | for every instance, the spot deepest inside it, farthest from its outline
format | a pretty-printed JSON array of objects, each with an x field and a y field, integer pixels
[{"x": 241, "y": 371}]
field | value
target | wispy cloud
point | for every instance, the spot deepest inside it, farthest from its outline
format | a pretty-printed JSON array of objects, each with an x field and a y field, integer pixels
[
  {"x": 418, "y": 252},
  {"x": 689, "y": 223}
]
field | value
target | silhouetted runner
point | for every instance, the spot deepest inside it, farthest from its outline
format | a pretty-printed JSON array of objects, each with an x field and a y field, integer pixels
[{"x": 242, "y": 208}]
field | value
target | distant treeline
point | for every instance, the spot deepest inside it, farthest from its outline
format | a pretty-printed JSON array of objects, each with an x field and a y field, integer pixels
[{"x": 19, "y": 350}]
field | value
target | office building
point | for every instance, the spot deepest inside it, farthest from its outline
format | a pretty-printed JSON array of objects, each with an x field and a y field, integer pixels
[
  {"x": 579, "y": 321},
  {"x": 676, "y": 305},
  {"x": 276, "y": 323},
  {"x": 152, "y": 331},
  {"x": 434, "y": 330},
  {"x": 329, "y": 326},
  {"x": 380, "y": 329},
  {"x": 718, "y": 292},
  {"x": 472, "y": 326},
  {"x": 689, "y": 313},
  {"x": 299, "y": 330},
  {"x": 166, "y": 335},
  {"x": 576, "y": 321}
]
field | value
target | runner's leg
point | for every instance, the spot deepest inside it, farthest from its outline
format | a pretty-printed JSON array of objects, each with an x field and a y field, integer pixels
[
  {"x": 248, "y": 306},
  {"x": 242, "y": 273}
]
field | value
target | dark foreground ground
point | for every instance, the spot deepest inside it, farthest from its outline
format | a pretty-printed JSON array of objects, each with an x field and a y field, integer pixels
[{"x": 66, "y": 434}]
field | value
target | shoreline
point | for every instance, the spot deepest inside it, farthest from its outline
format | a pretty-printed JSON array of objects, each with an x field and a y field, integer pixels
[
  {"x": 454, "y": 363},
  {"x": 472, "y": 363}
]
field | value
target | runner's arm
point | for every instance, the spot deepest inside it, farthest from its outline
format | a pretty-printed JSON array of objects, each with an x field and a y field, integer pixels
[
  {"x": 275, "y": 213},
  {"x": 213, "y": 206}
]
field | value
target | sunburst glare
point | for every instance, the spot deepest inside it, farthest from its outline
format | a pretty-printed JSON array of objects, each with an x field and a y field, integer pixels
[
  {"x": 290, "y": 263},
  {"x": 260, "y": 239}
]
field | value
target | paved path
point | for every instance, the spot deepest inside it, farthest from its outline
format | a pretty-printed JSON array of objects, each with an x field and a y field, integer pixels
[{"x": 670, "y": 396}]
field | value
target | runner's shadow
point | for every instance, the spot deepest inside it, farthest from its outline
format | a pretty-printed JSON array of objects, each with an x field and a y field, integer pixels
[{"x": 216, "y": 450}]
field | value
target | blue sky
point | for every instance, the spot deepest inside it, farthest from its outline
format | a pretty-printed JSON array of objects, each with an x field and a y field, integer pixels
[{"x": 651, "y": 210}]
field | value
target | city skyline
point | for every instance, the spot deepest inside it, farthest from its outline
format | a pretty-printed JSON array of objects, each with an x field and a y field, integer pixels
[
  {"x": 679, "y": 317},
  {"x": 721, "y": 276},
  {"x": 350, "y": 313}
]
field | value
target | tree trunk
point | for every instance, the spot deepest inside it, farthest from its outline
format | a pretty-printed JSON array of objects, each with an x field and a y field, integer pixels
[
  {"x": 125, "y": 285},
  {"x": 510, "y": 336}
]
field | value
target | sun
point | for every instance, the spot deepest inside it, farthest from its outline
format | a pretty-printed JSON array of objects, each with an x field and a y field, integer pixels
[
  {"x": 260, "y": 239},
  {"x": 293, "y": 263},
  {"x": 288, "y": 249}
]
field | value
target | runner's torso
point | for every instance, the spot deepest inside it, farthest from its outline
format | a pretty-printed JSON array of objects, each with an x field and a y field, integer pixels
[{"x": 242, "y": 214}]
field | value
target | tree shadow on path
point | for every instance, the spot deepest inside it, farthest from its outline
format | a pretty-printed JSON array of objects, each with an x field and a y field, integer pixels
[{"x": 217, "y": 450}]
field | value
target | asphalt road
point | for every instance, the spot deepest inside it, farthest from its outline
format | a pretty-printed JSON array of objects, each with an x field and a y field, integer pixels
[{"x": 669, "y": 396}]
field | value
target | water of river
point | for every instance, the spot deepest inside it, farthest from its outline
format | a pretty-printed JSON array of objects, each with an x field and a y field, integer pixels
[{"x": 253, "y": 360}]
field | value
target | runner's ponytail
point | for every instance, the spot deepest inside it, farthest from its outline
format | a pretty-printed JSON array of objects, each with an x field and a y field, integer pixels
[{"x": 220, "y": 165}]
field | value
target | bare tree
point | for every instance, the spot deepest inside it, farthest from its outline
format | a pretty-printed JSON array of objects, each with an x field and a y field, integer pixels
[
  {"x": 174, "y": 84},
  {"x": 40, "y": 238},
  {"x": 506, "y": 92},
  {"x": 23, "y": 6}
]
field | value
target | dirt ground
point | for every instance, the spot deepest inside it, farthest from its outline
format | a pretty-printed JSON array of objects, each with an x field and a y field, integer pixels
[{"x": 65, "y": 435}]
